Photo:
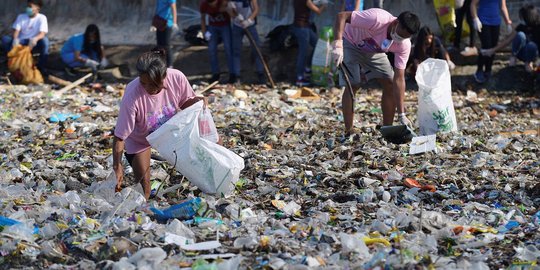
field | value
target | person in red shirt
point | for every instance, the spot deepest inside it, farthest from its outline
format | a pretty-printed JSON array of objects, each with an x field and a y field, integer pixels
[{"x": 218, "y": 30}]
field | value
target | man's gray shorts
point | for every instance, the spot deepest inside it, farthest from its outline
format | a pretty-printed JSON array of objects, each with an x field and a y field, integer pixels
[{"x": 374, "y": 65}]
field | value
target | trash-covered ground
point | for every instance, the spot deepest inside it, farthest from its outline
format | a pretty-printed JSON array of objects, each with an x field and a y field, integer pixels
[{"x": 307, "y": 198}]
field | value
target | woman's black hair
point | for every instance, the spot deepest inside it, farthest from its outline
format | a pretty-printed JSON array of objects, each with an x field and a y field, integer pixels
[
  {"x": 154, "y": 65},
  {"x": 530, "y": 15},
  {"x": 421, "y": 38},
  {"x": 39, "y": 3},
  {"x": 95, "y": 46}
]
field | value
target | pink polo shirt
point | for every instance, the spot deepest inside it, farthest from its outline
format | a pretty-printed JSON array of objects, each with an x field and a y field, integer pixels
[
  {"x": 141, "y": 113},
  {"x": 367, "y": 31}
]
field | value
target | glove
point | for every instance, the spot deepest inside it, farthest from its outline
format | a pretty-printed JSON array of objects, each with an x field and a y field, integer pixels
[
  {"x": 402, "y": 117},
  {"x": 509, "y": 28},
  {"x": 153, "y": 29},
  {"x": 451, "y": 64},
  {"x": 104, "y": 63},
  {"x": 207, "y": 36},
  {"x": 15, "y": 42},
  {"x": 91, "y": 64},
  {"x": 487, "y": 52},
  {"x": 320, "y": 2},
  {"x": 477, "y": 24},
  {"x": 200, "y": 35},
  {"x": 238, "y": 19},
  {"x": 337, "y": 52},
  {"x": 175, "y": 27},
  {"x": 32, "y": 43},
  {"x": 247, "y": 23}
]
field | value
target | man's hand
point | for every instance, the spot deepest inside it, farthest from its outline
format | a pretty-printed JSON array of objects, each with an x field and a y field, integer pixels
[
  {"x": 119, "y": 172},
  {"x": 451, "y": 64},
  {"x": 207, "y": 36},
  {"x": 15, "y": 42},
  {"x": 477, "y": 24},
  {"x": 175, "y": 27},
  {"x": 337, "y": 52},
  {"x": 91, "y": 64},
  {"x": 509, "y": 28},
  {"x": 104, "y": 63},
  {"x": 153, "y": 29},
  {"x": 247, "y": 23},
  {"x": 32, "y": 43},
  {"x": 402, "y": 118},
  {"x": 238, "y": 20}
]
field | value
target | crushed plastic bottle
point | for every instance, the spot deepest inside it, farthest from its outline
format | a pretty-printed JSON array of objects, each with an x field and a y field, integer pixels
[{"x": 183, "y": 211}]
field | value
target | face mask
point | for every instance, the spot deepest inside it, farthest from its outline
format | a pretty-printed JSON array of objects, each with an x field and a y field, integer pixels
[
  {"x": 29, "y": 11},
  {"x": 395, "y": 37}
]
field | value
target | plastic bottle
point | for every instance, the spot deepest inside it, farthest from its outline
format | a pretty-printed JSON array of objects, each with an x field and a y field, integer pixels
[{"x": 182, "y": 211}]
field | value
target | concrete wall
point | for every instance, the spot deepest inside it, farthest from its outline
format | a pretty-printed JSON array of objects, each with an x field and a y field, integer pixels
[{"x": 128, "y": 21}]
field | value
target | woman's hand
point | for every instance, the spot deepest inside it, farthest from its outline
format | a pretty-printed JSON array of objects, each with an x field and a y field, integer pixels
[{"x": 194, "y": 100}]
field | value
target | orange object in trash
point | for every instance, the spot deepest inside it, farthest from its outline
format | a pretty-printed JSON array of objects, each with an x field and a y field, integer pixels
[
  {"x": 410, "y": 183},
  {"x": 493, "y": 113},
  {"x": 430, "y": 188},
  {"x": 457, "y": 230}
]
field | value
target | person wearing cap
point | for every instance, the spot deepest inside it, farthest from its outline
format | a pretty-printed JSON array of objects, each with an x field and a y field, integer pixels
[{"x": 362, "y": 38}]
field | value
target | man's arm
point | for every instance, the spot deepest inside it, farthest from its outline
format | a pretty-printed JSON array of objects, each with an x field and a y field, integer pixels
[
  {"x": 474, "y": 4},
  {"x": 40, "y": 36},
  {"x": 254, "y": 9},
  {"x": 314, "y": 8},
  {"x": 341, "y": 19},
  {"x": 203, "y": 22},
  {"x": 118, "y": 149},
  {"x": 16, "y": 34},
  {"x": 174, "y": 16},
  {"x": 399, "y": 89},
  {"x": 504, "y": 11},
  {"x": 357, "y": 5}
]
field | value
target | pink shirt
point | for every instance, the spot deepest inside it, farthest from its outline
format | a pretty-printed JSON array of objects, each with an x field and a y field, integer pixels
[
  {"x": 142, "y": 113},
  {"x": 367, "y": 31}
]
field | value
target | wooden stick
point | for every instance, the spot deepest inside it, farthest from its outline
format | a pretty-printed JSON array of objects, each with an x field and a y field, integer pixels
[
  {"x": 268, "y": 74},
  {"x": 72, "y": 85},
  {"x": 209, "y": 87},
  {"x": 58, "y": 81}
]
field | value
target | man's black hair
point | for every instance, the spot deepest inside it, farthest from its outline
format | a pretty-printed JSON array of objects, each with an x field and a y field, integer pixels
[
  {"x": 39, "y": 3},
  {"x": 153, "y": 64},
  {"x": 409, "y": 21}
]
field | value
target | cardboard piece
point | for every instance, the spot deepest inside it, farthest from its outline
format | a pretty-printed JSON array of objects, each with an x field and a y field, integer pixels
[{"x": 422, "y": 144}]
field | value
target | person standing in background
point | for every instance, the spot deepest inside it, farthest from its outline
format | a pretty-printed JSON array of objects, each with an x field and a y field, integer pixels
[
  {"x": 219, "y": 29},
  {"x": 352, "y": 5},
  {"x": 306, "y": 36},
  {"x": 166, "y": 10},
  {"x": 245, "y": 13},
  {"x": 487, "y": 21},
  {"x": 465, "y": 12}
]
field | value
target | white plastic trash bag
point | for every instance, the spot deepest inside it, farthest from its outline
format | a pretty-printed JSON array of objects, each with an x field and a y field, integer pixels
[
  {"x": 435, "y": 107},
  {"x": 211, "y": 167}
]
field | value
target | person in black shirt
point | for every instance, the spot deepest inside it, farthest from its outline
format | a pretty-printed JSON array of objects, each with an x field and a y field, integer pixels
[
  {"x": 525, "y": 38},
  {"x": 427, "y": 45}
]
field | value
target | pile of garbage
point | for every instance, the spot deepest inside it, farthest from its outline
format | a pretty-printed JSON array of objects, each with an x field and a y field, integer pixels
[{"x": 308, "y": 196}]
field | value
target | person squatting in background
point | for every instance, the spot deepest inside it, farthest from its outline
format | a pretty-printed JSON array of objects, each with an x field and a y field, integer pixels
[
  {"x": 244, "y": 13},
  {"x": 217, "y": 30},
  {"x": 166, "y": 10},
  {"x": 487, "y": 20},
  {"x": 427, "y": 45},
  {"x": 525, "y": 39},
  {"x": 30, "y": 29},
  {"x": 84, "y": 49}
]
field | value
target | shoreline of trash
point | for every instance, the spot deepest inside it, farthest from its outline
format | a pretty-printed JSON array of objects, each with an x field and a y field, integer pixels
[{"x": 307, "y": 197}]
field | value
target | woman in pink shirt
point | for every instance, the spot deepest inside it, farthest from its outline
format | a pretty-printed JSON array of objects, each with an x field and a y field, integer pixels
[{"x": 149, "y": 101}]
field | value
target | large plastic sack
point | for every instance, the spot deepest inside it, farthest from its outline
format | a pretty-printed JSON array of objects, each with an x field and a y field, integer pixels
[
  {"x": 435, "y": 106},
  {"x": 211, "y": 167},
  {"x": 446, "y": 17},
  {"x": 21, "y": 64},
  {"x": 322, "y": 69}
]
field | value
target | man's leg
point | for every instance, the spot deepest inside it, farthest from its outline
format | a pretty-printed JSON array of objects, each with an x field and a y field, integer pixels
[
  {"x": 42, "y": 47},
  {"x": 347, "y": 107},
  {"x": 388, "y": 103},
  {"x": 141, "y": 170},
  {"x": 212, "y": 50},
  {"x": 301, "y": 34},
  {"x": 350, "y": 59},
  {"x": 6, "y": 43},
  {"x": 237, "y": 36}
]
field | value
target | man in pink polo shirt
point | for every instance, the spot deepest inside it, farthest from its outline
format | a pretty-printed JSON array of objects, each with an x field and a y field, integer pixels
[{"x": 361, "y": 40}]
